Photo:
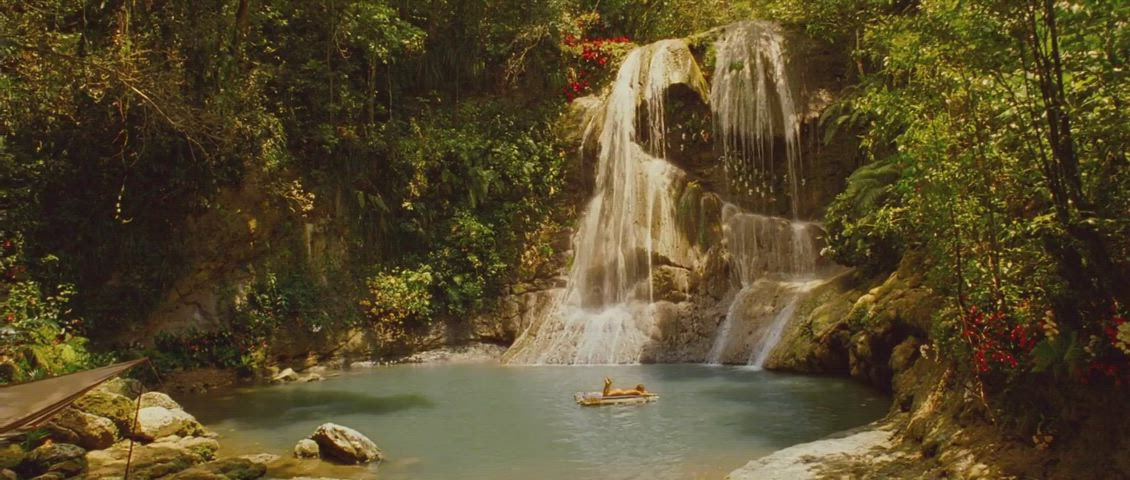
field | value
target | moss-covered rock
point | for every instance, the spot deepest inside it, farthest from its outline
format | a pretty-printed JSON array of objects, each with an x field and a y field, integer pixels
[
  {"x": 868, "y": 327},
  {"x": 118, "y": 408},
  {"x": 11, "y": 455},
  {"x": 83, "y": 429},
  {"x": 126, "y": 387},
  {"x": 63, "y": 458},
  {"x": 155, "y": 460}
]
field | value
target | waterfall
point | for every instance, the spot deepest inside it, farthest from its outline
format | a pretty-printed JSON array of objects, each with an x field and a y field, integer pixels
[
  {"x": 607, "y": 313},
  {"x": 774, "y": 262},
  {"x": 752, "y": 103},
  {"x": 610, "y": 311}
]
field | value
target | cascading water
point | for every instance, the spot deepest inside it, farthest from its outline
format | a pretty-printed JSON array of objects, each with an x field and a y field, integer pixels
[
  {"x": 753, "y": 102},
  {"x": 607, "y": 313},
  {"x": 774, "y": 262}
]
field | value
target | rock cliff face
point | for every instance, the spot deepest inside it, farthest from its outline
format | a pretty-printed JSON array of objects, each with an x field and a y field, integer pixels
[{"x": 704, "y": 160}]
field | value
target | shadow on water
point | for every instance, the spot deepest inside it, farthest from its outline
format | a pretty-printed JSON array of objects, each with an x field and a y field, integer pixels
[
  {"x": 794, "y": 411},
  {"x": 269, "y": 407}
]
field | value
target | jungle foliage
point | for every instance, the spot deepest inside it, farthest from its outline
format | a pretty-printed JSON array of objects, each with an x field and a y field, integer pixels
[{"x": 998, "y": 135}]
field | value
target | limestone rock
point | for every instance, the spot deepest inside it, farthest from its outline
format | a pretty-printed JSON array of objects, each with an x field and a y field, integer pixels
[
  {"x": 306, "y": 448},
  {"x": 164, "y": 457},
  {"x": 158, "y": 399},
  {"x": 118, "y": 408},
  {"x": 157, "y": 422},
  {"x": 288, "y": 375},
  {"x": 63, "y": 458},
  {"x": 345, "y": 444},
  {"x": 83, "y": 429}
]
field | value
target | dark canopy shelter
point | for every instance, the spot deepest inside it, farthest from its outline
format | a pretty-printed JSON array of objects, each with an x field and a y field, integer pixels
[{"x": 27, "y": 405}]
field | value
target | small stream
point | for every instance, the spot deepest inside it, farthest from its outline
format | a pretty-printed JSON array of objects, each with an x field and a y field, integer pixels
[{"x": 485, "y": 421}]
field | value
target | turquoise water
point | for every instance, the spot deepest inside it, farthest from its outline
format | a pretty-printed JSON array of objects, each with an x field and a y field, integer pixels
[{"x": 486, "y": 421}]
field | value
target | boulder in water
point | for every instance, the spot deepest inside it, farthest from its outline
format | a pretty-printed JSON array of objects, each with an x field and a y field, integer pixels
[
  {"x": 306, "y": 448},
  {"x": 345, "y": 444},
  {"x": 83, "y": 429}
]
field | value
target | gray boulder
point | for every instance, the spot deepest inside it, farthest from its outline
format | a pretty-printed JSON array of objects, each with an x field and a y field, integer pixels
[{"x": 345, "y": 444}]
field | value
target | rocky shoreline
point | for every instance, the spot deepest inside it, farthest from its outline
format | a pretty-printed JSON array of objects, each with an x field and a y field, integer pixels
[{"x": 92, "y": 438}]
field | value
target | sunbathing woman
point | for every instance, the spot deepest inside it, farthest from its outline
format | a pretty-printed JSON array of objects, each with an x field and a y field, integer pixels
[{"x": 616, "y": 392}]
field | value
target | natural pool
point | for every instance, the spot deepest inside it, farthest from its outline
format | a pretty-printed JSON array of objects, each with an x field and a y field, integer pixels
[{"x": 486, "y": 421}]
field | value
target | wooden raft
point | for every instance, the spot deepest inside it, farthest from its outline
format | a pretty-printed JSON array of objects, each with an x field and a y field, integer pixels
[{"x": 595, "y": 399}]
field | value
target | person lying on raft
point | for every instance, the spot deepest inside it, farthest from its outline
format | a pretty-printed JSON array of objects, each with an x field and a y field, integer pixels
[{"x": 616, "y": 392}]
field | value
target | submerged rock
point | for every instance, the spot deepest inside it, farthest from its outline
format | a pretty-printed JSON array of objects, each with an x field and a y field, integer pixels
[
  {"x": 225, "y": 469},
  {"x": 345, "y": 444},
  {"x": 306, "y": 448},
  {"x": 262, "y": 458}
]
